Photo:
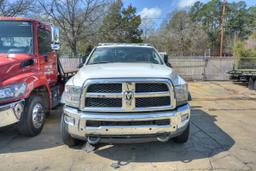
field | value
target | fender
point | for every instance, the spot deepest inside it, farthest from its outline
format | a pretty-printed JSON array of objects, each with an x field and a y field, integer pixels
[{"x": 33, "y": 80}]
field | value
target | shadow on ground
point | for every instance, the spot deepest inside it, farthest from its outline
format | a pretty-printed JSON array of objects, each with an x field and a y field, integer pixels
[
  {"x": 11, "y": 141},
  {"x": 206, "y": 140}
]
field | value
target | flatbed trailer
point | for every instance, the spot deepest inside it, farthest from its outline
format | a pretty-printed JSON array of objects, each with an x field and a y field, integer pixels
[{"x": 245, "y": 71}]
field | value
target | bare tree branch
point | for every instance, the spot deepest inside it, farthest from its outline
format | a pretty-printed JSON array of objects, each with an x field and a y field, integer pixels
[
  {"x": 74, "y": 17},
  {"x": 14, "y": 8}
]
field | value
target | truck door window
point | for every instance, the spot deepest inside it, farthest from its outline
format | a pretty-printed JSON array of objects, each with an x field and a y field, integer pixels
[{"x": 44, "y": 41}]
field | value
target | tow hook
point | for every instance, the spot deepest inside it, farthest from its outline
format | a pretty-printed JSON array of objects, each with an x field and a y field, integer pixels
[
  {"x": 163, "y": 137},
  {"x": 93, "y": 139}
]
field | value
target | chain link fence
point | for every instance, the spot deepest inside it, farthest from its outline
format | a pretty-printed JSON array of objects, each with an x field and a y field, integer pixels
[
  {"x": 189, "y": 67},
  {"x": 202, "y": 68}
]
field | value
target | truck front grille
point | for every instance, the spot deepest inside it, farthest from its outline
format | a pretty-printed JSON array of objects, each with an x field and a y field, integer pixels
[
  {"x": 153, "y": 101},
  {"x": 151, "y": 87},
  {"x": 105, "y": 88},
  {"x": 106, "y": 102},
  {"x": 127, "y": 95},
  {"x": 127, "y": 123}
]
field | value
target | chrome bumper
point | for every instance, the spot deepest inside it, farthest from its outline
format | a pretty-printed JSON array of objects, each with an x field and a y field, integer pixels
[
  {"x": 75, "y": 122},
  {"x": 8, "y": 113}
]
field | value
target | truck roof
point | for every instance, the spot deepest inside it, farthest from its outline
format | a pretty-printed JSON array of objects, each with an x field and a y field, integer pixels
[
  {"x": 17, "y": 18},
  {"x": 46, "y": 25},
  {"x": 124, "y": 45}
]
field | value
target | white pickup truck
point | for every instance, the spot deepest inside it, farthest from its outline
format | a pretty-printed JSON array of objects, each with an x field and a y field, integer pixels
[{"x": 125, "y": 93}]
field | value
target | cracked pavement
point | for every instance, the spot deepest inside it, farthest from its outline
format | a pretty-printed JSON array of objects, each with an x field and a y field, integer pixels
[{"x": 223, "y": 137}]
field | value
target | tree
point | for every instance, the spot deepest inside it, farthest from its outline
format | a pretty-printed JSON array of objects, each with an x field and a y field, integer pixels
[
  {"x": 209, "y": 17},
  {"x": 121, "y": 24},
  {"x": 239, "y": 22},
  {"x": 14, "y": 8},
  {"x": 76, "y": 18},
  {"x": 245, "y": 48},
  {"x": 180, "y": 36}
]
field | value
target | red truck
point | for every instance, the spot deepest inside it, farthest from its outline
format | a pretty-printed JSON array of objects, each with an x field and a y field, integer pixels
[{"x": 31, "y": 77}]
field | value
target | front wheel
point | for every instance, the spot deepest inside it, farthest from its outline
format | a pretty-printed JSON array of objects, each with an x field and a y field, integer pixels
[
  {"x": 182, "y": 138},
  {"x": 33, "y": 117}
]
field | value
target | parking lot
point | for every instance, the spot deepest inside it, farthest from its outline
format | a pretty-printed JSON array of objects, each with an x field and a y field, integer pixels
[{"x": 223, "y": 137}]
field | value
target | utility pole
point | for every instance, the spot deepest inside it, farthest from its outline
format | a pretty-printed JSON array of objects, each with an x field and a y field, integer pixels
[{"x": 222, "y": 27}]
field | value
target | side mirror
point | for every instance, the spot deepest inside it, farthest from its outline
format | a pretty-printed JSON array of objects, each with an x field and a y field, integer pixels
[
  {"x": 84, "y": 59},
  {"x": 189, "y": 97},
  {"x": 165, "y": 56},
  {"x": 80, "y": 65},
  {"x": 55, "y": 31}
]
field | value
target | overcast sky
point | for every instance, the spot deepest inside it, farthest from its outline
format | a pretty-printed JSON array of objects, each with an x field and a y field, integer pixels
[{"x": 159, "y": 9}]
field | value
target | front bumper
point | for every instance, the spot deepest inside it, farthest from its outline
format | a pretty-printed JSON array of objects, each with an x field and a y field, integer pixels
[
  {"x": 75, "y": 122},
  {"x": 10, "y": 113}
]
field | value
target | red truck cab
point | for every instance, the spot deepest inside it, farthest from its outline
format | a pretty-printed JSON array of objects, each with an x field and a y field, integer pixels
[{"x": 29, "y": 76}]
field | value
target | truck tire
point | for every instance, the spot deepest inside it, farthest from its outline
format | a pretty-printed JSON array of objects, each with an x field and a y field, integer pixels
[
  {"x": 189, "y": 96},
  {"x": 33, "y": 117},
  {"x": 250, "y": 83},
  {"x": 66, "y": 137},
  {"x": 182, "y": 138},
  {"x": 254, "y": 85}
]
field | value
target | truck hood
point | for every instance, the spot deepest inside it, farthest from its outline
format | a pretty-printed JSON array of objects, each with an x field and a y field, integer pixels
[
  {"x": 120, "y": 70},
  {"x": 10, "y": 66}
]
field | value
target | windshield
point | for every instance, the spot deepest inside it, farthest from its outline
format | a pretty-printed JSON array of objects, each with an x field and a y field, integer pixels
[
  {"x": 124, "y": 55},
  {"x": 16, "y": 37}
]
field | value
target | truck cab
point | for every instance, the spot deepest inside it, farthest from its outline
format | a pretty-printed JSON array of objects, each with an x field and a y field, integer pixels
[{"x": 29, "y": 75}]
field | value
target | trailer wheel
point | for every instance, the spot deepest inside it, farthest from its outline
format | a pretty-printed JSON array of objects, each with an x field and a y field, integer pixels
[
  {"x": 66, "y": 137},
  {"x": 33, "y": 117},
  {"x": 254, "y": 85},
  {"x": 183, "y": 138},
  {"x": 251, "y": 83}
]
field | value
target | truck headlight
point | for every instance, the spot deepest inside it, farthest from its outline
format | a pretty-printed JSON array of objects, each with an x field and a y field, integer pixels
[
  {"x": 181, "y": 92},
  {"x": 180, "y": 88},
  {"x": 71, "y": 96},
  {"x": 12, "y": 91}
]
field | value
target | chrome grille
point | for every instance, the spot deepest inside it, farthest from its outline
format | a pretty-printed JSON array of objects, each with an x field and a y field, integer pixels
[
  {"x": 127, "y": 123},
  {"x": 105, "y": 88},
  {"x": 151, "y": 87},
  {"x": 129, "y": 95},
  {"x": 103, "y": 102},
  {"x": 152, "y": 101}
]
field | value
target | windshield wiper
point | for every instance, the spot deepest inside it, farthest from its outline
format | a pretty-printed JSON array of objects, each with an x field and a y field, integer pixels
[{"x": 102, "y": 62}]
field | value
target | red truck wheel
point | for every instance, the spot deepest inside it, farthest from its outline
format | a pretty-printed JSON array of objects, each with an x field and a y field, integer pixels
[{"x": 33, "y": 117}]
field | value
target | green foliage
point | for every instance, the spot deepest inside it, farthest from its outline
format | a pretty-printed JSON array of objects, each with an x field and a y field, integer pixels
[
  {"x": 240, "y": 49},
  {"x": 239, "y": 21},
  {"x": 184, "y": 37},
  {"x": 209, "y": 17},
  {"x": 253, "y": 36},
  {"x": 121, "y": 24},
  {"x": 180, "y": 36}
]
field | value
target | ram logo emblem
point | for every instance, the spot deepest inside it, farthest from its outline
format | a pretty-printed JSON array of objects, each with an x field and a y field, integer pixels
[{"x": 128, "y": 95}]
